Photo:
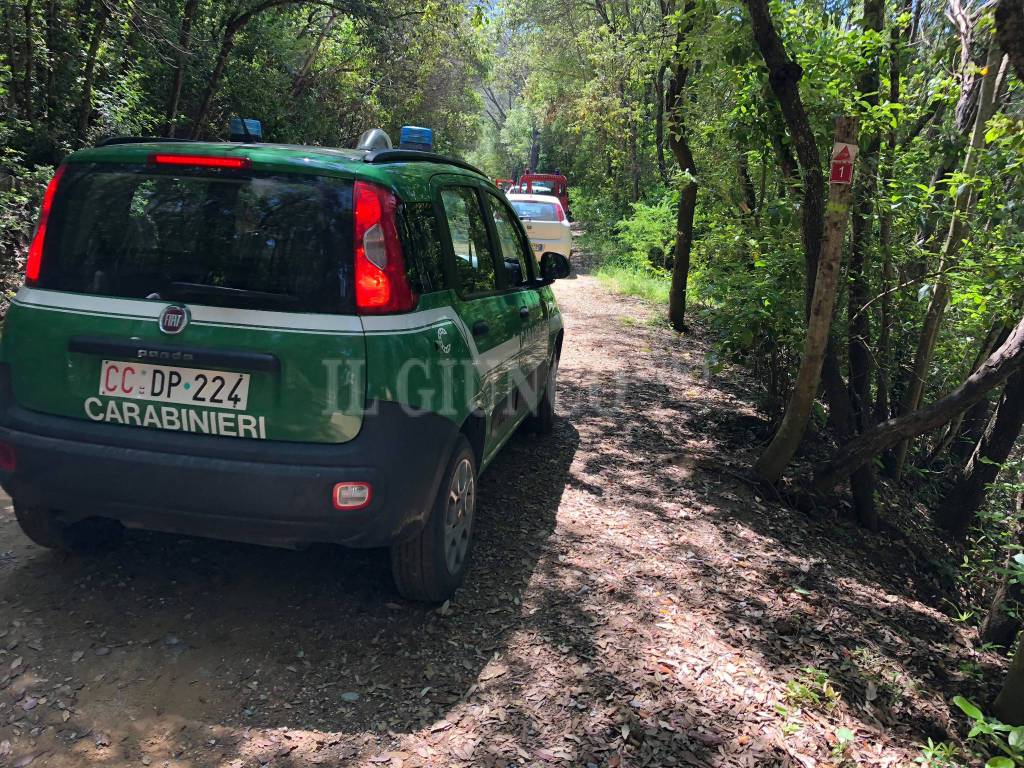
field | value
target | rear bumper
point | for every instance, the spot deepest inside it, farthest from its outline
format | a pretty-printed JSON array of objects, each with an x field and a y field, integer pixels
[{"x": 262, "y": 492}]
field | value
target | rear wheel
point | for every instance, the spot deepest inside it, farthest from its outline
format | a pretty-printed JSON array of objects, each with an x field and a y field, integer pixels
[
  {"x": 432, "y": 565},
  {"x": 44, "y": 528}
]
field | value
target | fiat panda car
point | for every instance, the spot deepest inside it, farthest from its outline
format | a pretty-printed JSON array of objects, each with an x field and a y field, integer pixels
[{"x": 274, "y": 344}]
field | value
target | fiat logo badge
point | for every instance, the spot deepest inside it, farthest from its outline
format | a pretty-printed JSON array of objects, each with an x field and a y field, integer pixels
[{"x": 173, "y": 319}]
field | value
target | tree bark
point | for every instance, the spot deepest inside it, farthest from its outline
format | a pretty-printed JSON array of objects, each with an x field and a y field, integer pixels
[
  {"x": 1001, "y": 364},
  {"x": 678, "y": 141},
  {"x": 861, "y": 218},
  {"x": 659, "y": 122},
  {"x": 960, "y": 507},
  {"x": 955, "y": 237},
  {"x": 234, "y": 25},
  {"x": 777, "y": 455},
  {"x": 28, "y": 107},
  {"x": 534, "y": 149},
  {"x": 1009, "y": 705},
  {"x": 89, "y": 73},
  {"x": 1010, "y": 32},
  {"x": 784, "y": 78},
  {"x": 184, "y": 39},
  {"x": 1000, "y": 626},
  {"x": 977, "y": 414},
  {"x": 302, "y": 78}
]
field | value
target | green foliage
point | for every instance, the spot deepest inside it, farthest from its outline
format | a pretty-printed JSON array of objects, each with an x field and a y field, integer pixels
[
  {"x": 939, "y": 755},
  {"x": 621, "y": 279},
  {"x": 811, "y": 688},
  {"x": 1004, "y": 744},
  {"x": 648, "y": 234}
]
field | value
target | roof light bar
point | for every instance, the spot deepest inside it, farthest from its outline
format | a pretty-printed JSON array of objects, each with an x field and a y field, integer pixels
[{"x": 202, "y": 161}]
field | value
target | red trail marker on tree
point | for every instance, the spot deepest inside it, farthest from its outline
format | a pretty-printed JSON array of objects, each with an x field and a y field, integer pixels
[{"x": 843, "y": 156}]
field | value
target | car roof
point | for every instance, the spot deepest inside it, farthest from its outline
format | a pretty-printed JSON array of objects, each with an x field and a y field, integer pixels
[
  {"x": 534, "y": 198},
  {"x": 407, "y": 172}
]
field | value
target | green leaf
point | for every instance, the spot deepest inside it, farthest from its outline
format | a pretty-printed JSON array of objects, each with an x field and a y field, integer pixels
[
  {"x": 1016, "y": 738},
  {"x": 968, "y": 708},
  {"x": 844, "y": 735},
  {"x": 1000, "y": 762}
]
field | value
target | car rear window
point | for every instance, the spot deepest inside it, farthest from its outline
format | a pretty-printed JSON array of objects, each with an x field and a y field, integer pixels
[
  {"x": 218, "y": 237},
  {"x": 535, "y": 211}
]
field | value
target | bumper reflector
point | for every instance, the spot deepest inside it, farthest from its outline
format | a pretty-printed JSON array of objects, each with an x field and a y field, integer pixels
[
  {"x": 348, "y": 496},
  {"x": 7, "y": 460}
]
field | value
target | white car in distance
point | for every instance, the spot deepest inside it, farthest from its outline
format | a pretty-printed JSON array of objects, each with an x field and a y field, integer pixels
[{"x": 546, "y": 223}]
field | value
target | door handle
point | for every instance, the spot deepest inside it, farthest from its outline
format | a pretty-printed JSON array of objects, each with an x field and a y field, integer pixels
[
  {"x": 524, "y": 313},
  {"x": 481, "y": 328}
]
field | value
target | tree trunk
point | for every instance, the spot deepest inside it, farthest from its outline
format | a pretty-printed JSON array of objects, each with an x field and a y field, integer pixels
[
  {"x": 634, "y": 163},
  {"x": 862, "y": 216},
  {"x": 1010, "y": 32},
  {"x": 1009, "y": 705},
  {"x": 684, "y": 243},
  {"x": 748, "y": 194},
  {"x": 773, "y": 461},
  {"x": 977, "y": 415},
  {"x": 50, "y": 96},
  {"x": 28, "y": 107},
  {"x": 1001, "y": 364},
  {"x": 841, "y": 417},
  {"x": 678, "y": 141},
  {"x": 12, "y": 55},
  {"x": 226, "y": 44},
  {"x": 1002, "y": 625},
  {"x": 659, "y": 122},
  {"x": 233, "y": 26},
  {"x": 784, "y": 77},
  {"x": 957, "y": 230},
  {"x": 184, "y": 38},
  {"x": 89, "y": 73},
  {"x": 534, "y": 149},
  {"x": 302, "y": 78},
  {"x": 961, "y": 505}
]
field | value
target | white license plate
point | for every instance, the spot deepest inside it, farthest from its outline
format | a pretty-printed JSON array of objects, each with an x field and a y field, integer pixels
[{"x": 170, "y": 384}]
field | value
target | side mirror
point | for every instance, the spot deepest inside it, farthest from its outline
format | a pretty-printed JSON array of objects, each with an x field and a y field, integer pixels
[{"x": 554, "y": 266}]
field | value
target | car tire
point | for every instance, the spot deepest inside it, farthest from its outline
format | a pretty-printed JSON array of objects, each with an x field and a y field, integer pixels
[
  {"x": 542, "y": 420},
  {"x": 43, "y": 527},
  {"x": 432, "y": 565}
]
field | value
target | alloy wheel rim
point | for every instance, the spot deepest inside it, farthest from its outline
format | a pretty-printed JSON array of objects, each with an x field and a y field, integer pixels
[{"x": 458, "y": 517}]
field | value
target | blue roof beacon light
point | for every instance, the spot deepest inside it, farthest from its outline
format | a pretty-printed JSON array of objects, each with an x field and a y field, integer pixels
[
  {"x": 414, "y": 137},
  {"x": 248, "y": 130}
]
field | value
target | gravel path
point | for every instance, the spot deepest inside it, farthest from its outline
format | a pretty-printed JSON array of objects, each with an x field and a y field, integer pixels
[{"x": 632, "y": 602}]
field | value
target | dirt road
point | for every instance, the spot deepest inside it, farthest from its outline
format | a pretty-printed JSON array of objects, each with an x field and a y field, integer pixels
[{"x": 632, "y": 602}]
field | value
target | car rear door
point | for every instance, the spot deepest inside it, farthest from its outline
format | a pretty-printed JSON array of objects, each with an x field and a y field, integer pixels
[
  {"x": 208, "y": 301},
  {"x": 488, "y": 311}
]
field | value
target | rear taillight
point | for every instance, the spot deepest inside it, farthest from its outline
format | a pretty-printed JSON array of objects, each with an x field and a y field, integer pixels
[
  {"x": 559, "y": 212},
  {"x": 35, "y": 250},
  {"x": 381, "y": 283}
]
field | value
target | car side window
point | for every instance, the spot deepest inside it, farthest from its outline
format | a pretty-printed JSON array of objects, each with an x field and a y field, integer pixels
[
  {"x": 419, "y": 230},
  {"x": 474, "y": 262},
  {"x": 513, "y": 250}
]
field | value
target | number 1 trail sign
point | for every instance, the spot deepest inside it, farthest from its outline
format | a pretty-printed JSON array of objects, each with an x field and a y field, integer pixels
[{"x": 843, "y": 156}]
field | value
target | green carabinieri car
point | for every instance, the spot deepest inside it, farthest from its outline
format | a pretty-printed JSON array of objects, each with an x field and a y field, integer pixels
[{"x": 274, "y": 344}]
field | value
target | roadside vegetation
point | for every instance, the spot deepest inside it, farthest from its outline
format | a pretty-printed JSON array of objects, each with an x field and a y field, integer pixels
[{"x": 697, "y": 137}]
